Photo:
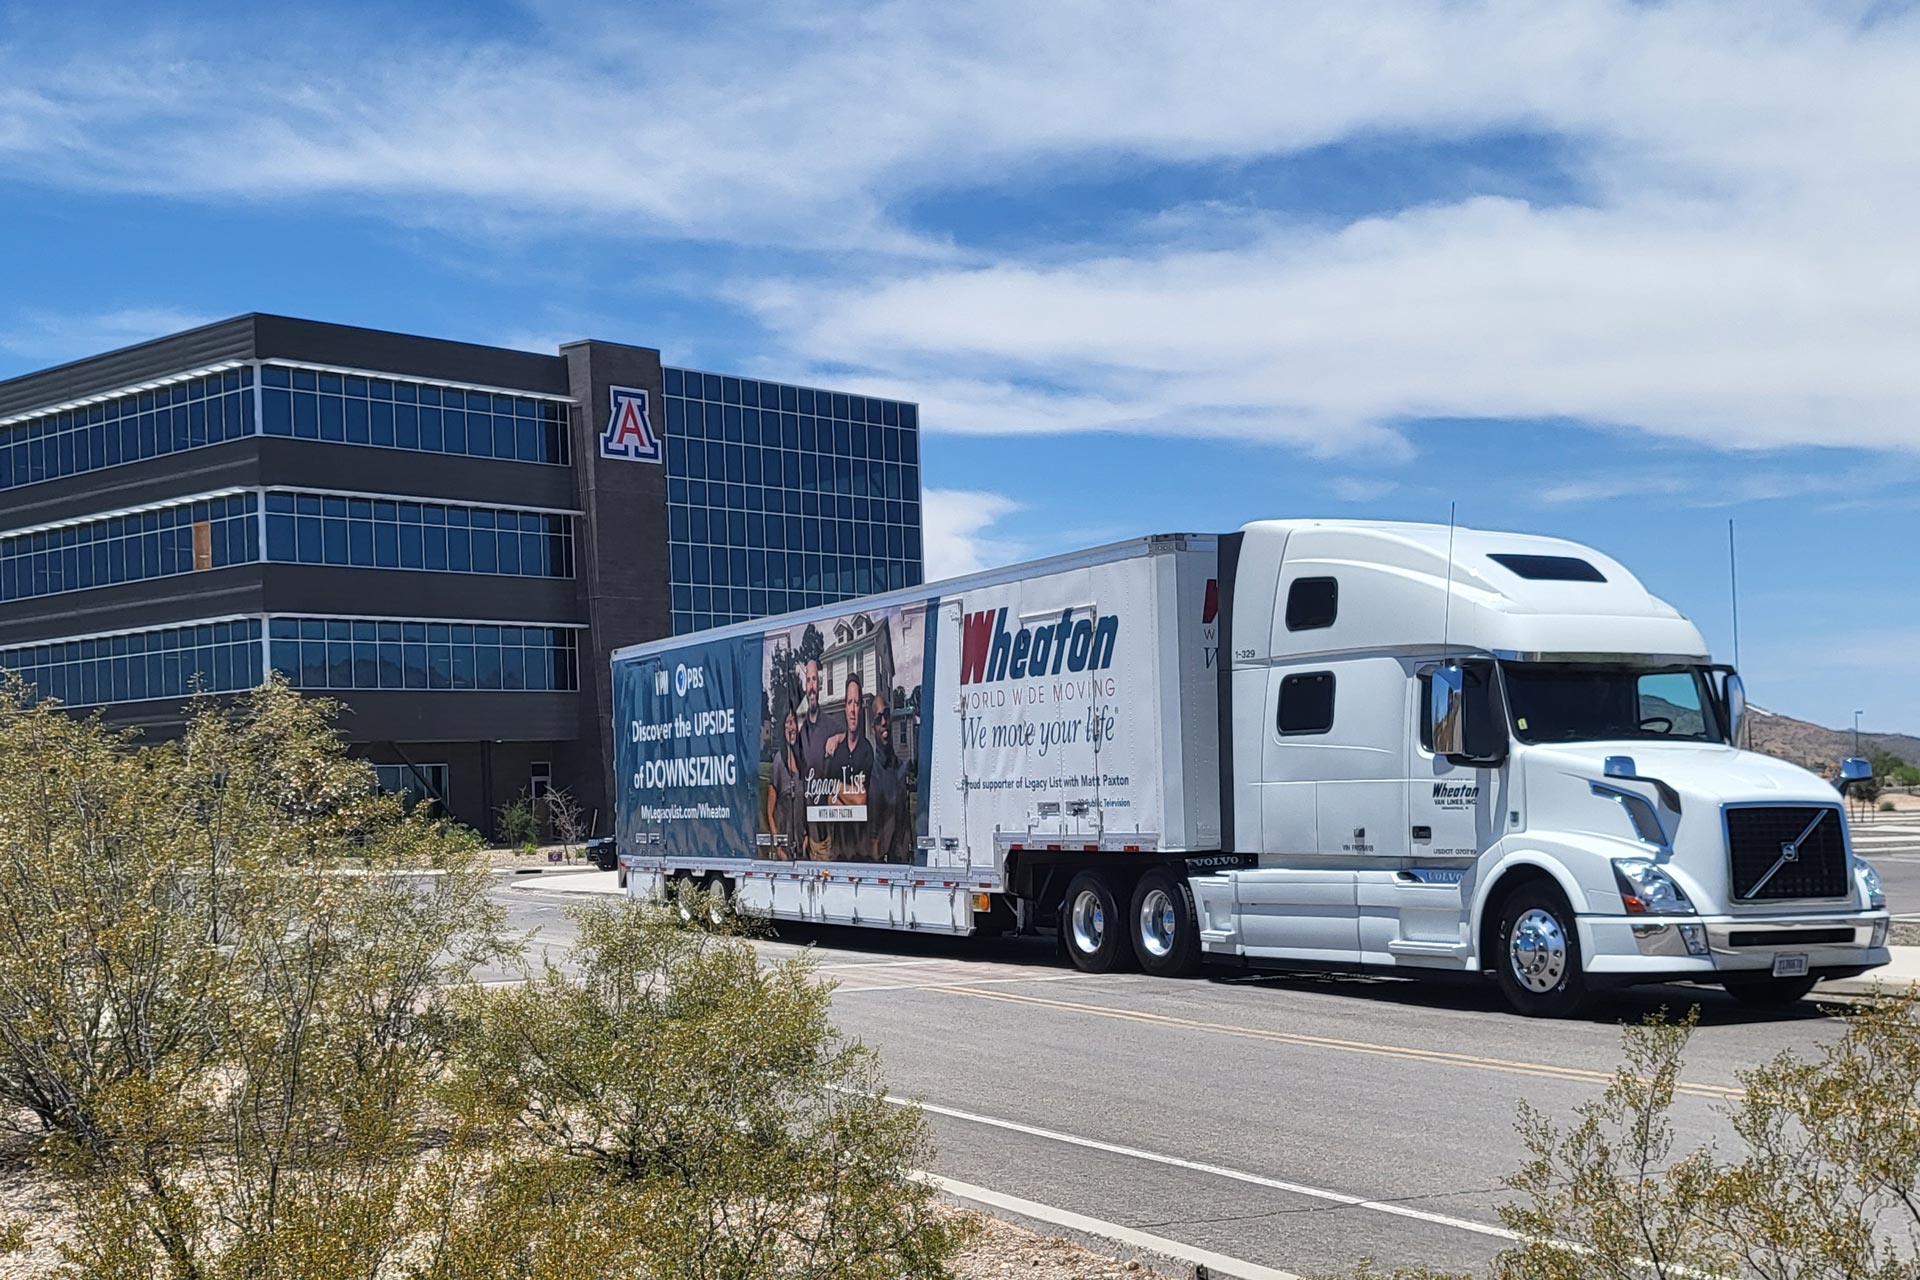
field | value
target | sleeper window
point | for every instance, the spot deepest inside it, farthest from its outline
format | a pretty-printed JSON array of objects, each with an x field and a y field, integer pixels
[
  {"x": 1306, "y": 703},
  {"x": 1312, "y": 603}
]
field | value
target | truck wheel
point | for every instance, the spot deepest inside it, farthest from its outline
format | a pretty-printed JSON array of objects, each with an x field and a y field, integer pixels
[
  {"x": 1769, "y": 992},
  {"x": 620, "y": 875},
  {"x": 1538, "y": 960},
  {"x": 1090, "y": 924},
  {"x": 1166, "y": 929}
]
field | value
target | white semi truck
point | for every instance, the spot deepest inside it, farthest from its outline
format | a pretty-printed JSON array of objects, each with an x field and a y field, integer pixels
[{"x": 1309, "y": 744}]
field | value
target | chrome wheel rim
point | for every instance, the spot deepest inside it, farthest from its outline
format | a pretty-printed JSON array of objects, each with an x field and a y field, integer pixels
[
  {"x": 1538, "y": 951},
  {"x": 1089, "y": 922},
  {"x": 717, "y": 904},
  {"x": 1157, "y": 923}
]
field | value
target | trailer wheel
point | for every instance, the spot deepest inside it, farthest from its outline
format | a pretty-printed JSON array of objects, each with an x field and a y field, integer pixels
[
  {"x": 717, "y": 902},
  {"x": 1538, "y": 961},
  {"x": 1091, "y": 924},
  {"x": 1166, "y": 928},
  {"x": 680, "y": 891},
  {"x": 620, "y": 875}
]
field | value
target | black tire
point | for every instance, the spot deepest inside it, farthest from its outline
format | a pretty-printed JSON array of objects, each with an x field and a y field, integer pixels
[
  {"x": 1164, "y": 926},
  {"x": 1768, "y": 992},
  {"x": 1091, "y": 926},
  {"x": 1537, "y": 953},
  {"x": 718, "y": 906},
  {"x": 620, "y": 875}
]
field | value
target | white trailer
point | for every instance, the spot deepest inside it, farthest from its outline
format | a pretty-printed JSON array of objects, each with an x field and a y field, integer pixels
[{"x": 1307, "y": 744}]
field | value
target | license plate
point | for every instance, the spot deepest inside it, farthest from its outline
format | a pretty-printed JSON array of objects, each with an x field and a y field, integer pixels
[{"x": 1790, "y": 966}]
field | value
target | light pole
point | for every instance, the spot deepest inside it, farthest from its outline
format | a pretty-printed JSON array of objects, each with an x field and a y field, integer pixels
[{"x": 1856, "y": 731}]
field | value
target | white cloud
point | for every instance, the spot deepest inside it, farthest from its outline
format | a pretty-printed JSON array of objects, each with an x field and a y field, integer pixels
[
  {"x": 53, "y": 337},
  {"x": 956, "y": 528},
  {"x": 1740, "y": 267},
  {"x": 1361, "y": 489}
]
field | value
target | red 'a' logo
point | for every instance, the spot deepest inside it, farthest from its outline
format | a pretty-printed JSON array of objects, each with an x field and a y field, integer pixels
[{"x": 629, "y": 432}]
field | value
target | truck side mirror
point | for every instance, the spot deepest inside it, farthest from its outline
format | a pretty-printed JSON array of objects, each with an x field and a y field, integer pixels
[
  {"x": 1736, "y": 707},
  {"x": 1448, "y": 711},
  {"x": 1853, "y": 769}
]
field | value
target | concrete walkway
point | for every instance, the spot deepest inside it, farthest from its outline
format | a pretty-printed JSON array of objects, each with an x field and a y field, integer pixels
[
  {"x": 1902, "y": 973},
  {"x": 584, "y": 881}
]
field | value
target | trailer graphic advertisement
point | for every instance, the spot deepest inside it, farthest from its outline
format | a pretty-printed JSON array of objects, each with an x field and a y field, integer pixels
[
  {"x": 840, "y": 749},
  {"x": 1049, "y": 721},
  {"x": 921, "y": 733},
  {"x": 689, "y": 752}
]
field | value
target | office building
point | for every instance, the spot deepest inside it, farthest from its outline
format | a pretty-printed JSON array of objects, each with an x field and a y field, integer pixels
[{"x": 447, "y": 538}]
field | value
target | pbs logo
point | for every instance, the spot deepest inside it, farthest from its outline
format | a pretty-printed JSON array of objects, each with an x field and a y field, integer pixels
[{"x": 685, "y": 678}]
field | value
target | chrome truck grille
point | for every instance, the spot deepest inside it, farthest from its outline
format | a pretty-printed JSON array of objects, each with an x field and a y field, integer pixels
[{"x": 1779, "y": 851}]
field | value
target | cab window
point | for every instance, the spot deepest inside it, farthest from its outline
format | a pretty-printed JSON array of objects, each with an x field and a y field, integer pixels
[
  {"x": 1312, "y": 603},
  {"x": 1306, "y": 703}
]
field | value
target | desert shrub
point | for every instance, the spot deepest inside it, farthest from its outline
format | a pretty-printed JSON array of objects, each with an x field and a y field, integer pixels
[
  {"x": 1824, "y": 1182},
  {"x": 237, "y": 1010},
  {"x": 710, "y": 1092},
  {"x": 516, "y": 825}
]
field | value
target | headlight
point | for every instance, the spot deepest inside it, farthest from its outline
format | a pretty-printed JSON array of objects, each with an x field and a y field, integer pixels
[
  {"x": 1647, "y": 890},
  {"x": 1870, "y": 884}
]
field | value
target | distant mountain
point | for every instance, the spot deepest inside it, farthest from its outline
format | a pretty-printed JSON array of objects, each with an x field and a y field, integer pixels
[{"x": 1813, "y": 747}]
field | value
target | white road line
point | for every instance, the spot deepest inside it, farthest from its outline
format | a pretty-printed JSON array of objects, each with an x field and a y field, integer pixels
[
  {"x": 1219, "y": 1171},
  {"x": 1217, "y": 1263}
]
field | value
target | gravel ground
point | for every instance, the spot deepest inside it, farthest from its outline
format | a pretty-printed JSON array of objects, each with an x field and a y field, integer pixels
[{"x": 1003, "y": 1249}]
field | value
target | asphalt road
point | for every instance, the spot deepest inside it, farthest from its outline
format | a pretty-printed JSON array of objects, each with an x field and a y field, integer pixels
[
  {"x": 1243, "y": 1116},
  {"x": 1892, "y": 843}
]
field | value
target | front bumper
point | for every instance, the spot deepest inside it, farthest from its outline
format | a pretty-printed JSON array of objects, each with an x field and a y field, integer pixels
[{"x": 1632, "y": 947}]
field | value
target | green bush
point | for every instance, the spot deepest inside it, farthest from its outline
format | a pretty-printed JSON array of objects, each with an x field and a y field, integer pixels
[
  {"x": 245, "y": 1031},
  {"x": 673, "y": 1075},
  {"x": 517, "y": 826}
]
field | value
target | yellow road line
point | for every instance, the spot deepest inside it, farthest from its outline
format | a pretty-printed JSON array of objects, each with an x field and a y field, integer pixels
[{"x": 1438, "y": 1057}]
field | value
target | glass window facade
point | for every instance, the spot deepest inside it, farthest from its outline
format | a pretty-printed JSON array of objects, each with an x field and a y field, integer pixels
[
  {"x": 166, "y": 662},
  {"x": 783, "y": 497},
  {"x": 128, "y": 428},
  {"x": 129, "y": 548},
  {"x": 365, "y": 653},
  {"x": 393, "y": 413},
  {"x": 380, "y": 533},
  {"x": 420, "y": 782}
]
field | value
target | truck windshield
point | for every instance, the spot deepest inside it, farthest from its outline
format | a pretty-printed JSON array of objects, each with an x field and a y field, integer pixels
[{"x": 1581, "y": 702}]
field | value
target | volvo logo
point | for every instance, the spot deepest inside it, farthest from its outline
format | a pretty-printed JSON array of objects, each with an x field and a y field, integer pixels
[{"x": 1790, "y": 852}]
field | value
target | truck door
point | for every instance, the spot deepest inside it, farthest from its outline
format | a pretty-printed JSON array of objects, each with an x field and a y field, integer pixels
[{"x": 1453, "y": 808}]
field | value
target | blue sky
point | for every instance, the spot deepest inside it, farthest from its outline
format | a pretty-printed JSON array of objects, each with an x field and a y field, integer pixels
[{"x": 1615, "y": 271}]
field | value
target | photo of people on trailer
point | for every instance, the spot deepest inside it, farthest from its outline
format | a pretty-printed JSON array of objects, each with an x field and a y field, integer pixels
[{"x": 840, "y": 747}]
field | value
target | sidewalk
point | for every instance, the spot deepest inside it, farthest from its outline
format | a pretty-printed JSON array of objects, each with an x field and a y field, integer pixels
[
  {"x": 1903, "y": 972},
  {"x": 585, "y": 881}
]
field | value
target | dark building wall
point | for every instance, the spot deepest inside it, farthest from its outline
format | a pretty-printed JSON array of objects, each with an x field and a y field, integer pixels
[
  {"x": 129, "y": 366},
  {"x": 155, "y": 602},
  {"x": 411, "y": 473},
  {"x": 402, "y": 593},
  {"x": 621, "y": 542},
  {"x": 481, "y": 776},
  {"x": 267, "y": 337},
  {"x": 350, "y": 347}
]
